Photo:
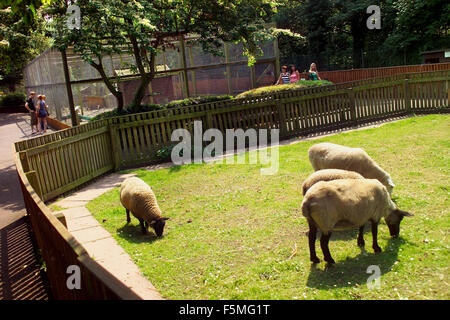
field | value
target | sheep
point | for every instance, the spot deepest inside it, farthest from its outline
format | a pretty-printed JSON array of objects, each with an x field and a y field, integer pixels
[
  {"x": 346, "y": 204},
  {"x": 328, "y": 175},
  {"x": 333, "y": 156},
  {"x": 137, "y": 196}
]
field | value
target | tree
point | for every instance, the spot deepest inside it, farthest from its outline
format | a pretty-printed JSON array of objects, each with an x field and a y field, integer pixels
[
  {"x": 20, "y": 42},
  {"x": 143, "y": 28},
  {"x": 419, "y": 25},
  {"x": 97, "y": 37}
]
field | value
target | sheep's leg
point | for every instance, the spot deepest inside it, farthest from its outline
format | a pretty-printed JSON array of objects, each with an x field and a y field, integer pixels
[
  {"x": 144, "y": 230},
  {"x": 361, "y": 242},
  {"x": 375, "y": 246},
  {"x": 128, "y": 216},
  {"x": 312, "y": 242},
  {"x": 324, "y": 240}
]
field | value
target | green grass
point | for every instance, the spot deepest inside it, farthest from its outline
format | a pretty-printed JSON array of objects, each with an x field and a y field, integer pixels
[{"x": 232, "y": 230}]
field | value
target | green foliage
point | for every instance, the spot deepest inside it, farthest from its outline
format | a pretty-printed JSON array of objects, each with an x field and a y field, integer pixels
[
  {"x": 338, "y": 38},
  {"x": 147, "y": 27},
  {"x": 196, "y": 100},
  {"x": 13, "y": 99},
  {"x": 20, "y": 41},
  {"x": 283, "y": 88}
]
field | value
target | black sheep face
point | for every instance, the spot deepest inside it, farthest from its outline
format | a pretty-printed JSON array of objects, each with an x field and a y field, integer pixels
[
  {"x": 393, "y": 221},
  {"x": 158, "y": 226}
]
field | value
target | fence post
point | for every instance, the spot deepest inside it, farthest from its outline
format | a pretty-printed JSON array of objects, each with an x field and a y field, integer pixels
[
  {"x": 407, "y": 97},
  {"x": 448, "y": 93},
  {"x": 115, "y": 146},
  {"x": 33, "y": 180},
  {"x": 351, "y": 99},
  {"x": 24, "y": 160},
  {"x": 281, "y": 119}
]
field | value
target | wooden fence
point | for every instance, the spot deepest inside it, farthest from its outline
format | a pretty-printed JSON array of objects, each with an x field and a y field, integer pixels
[
  {"x": 341, "y": 76},
  {"x": 60, "y": 250},
  {"x": 53, "y": 164}
]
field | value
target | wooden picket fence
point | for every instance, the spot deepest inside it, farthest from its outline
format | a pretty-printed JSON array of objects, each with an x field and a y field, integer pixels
[{"x": 51, "y": 165}]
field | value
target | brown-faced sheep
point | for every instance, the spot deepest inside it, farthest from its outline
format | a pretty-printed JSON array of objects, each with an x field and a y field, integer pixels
[
  {"x": 137, "y": 196},
  {"x": 328, "y": 175},
  {"x": 333, "y": 156},
  {"x": 347, "y": 204}
]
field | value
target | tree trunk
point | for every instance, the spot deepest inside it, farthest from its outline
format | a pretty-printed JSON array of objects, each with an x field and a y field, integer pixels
[
  {"x": 358, "y": 31},
  {"x": 140, "y": 92},
  {"x": 116, "y": 93}
]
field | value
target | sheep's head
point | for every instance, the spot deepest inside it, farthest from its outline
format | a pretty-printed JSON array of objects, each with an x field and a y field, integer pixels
[
  {"x": 158, "y": 225},
  {"x": 393, "y": 221}
]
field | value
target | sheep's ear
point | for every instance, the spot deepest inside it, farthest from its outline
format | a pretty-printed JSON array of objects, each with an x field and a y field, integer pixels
[
  {"x": 405, "y": 214},
  {"x": 390, "y": 182},
  {"x": 152, "y": 222},
  {"x": 165, "y": 218}
]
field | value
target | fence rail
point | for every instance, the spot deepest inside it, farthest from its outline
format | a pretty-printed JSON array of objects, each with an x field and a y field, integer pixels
[{"x": 58, "y": 162}]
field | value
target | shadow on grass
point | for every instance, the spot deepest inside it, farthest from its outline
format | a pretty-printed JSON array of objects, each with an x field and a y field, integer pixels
[
  {"x": 353, "y": 270},
  {"x": 133, "y": 234}
]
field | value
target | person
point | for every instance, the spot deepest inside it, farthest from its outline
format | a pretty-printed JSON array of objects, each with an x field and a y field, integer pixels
[
  {"x": 284, "y": 77},
  {"x": 313, "y": 74},
  {"x": 42, "y": 112},
  {"x": 29, "y": 105},
  {"x": 295, "y": 75}
]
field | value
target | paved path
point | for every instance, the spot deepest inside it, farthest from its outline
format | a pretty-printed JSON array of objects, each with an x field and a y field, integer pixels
[{"x": 20, "y": 276}]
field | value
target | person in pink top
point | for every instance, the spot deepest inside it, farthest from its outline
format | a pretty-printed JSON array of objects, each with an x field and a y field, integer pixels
[{"x": 295, "y": 76}]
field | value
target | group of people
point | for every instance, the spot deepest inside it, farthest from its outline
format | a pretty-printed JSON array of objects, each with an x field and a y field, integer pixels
[
  {"x": 38, "y": 113},
  {"x": 292, "y": 75}
]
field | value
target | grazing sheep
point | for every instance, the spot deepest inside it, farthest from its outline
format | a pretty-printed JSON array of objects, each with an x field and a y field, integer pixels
[
  {"x": 346, "y": 204},
  {"x": 328, "y": 175},
  {"x": 137, "y": 196},
  {"x": 334, "y": 156}
]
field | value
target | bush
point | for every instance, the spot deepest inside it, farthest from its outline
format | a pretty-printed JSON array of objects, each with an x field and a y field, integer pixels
[
  {"x": 13, "y": 99},
  {"x": 196, "y": 100},
  {"x": 282, "y": 88}
]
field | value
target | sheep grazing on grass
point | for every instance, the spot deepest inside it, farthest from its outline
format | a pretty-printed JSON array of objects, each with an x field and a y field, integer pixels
[
  {"x": 328, "y": 175},
  {"x": 137, "y": 196},
  {"x": 334, "y": 156},
  {"x": 347, "y": 204}
]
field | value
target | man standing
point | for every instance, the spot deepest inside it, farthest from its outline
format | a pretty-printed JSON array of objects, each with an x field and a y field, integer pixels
[{"x": 32, "y": 109}]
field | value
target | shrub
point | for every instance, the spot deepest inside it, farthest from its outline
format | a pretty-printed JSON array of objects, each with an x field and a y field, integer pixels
[
  {"x": 196, "y": 100},
  {"x": 282, "y": 88},
  {"x": 13, "y": 99}
]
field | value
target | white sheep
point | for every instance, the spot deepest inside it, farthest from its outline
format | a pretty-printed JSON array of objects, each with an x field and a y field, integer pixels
[
  {"x": 346, "y": 204},
  {"x": 137, "y": 196},
  {"x": 328, "y": 175},
  {"x": 333, "y": 156}
]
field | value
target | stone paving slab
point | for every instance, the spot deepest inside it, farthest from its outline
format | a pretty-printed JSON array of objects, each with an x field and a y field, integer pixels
[{"x": 98, "y": 242}]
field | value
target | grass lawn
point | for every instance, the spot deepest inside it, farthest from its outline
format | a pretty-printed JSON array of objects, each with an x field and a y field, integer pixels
[{"x": 232, "y": 232}]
